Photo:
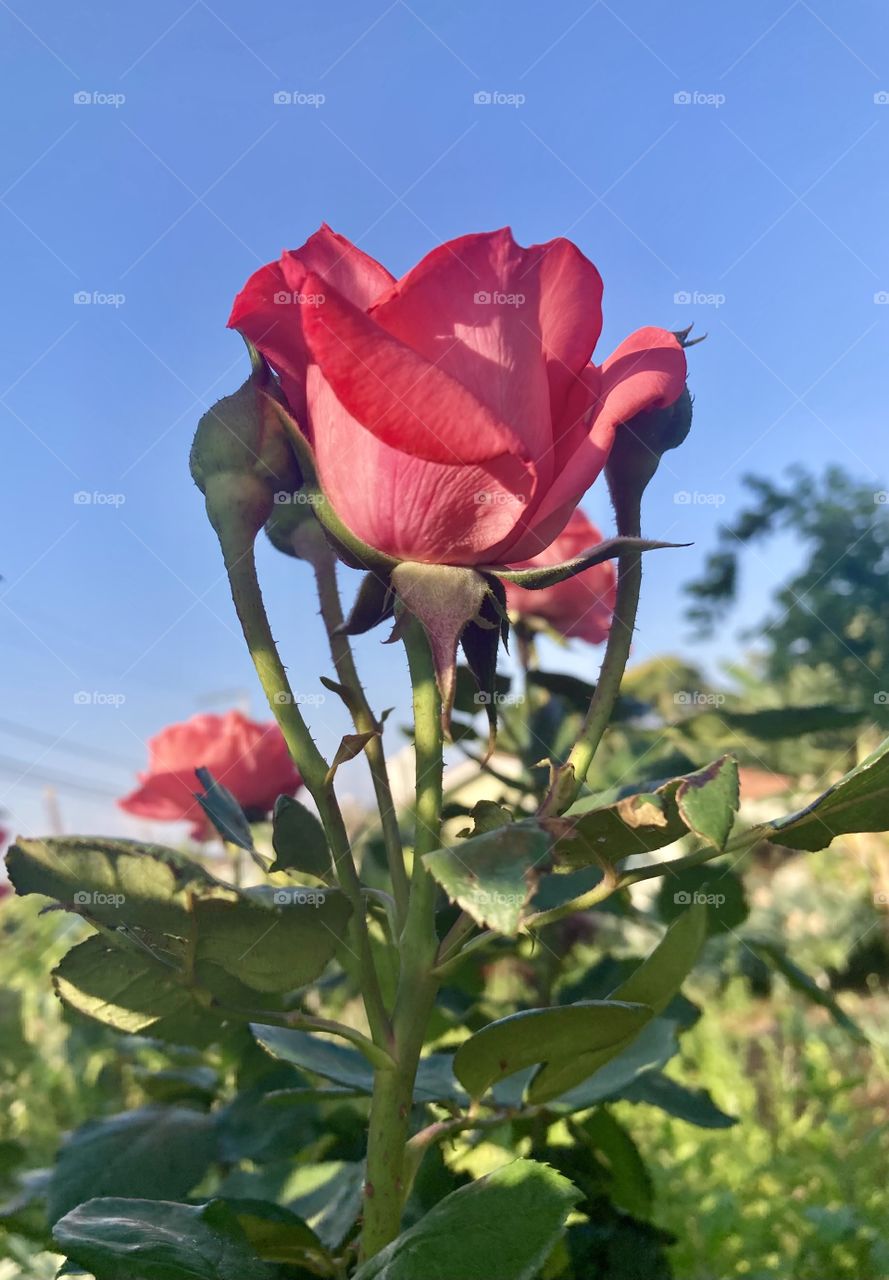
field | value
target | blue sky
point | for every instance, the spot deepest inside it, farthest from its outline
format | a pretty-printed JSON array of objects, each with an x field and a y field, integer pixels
[{"x": 733, "y": 155}]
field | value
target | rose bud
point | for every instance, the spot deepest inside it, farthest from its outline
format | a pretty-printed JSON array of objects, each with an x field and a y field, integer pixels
[
  {"x": 582, "y": 605},
  {"x": 249, "y": 759},
  {"x": 241, "y": 459}
]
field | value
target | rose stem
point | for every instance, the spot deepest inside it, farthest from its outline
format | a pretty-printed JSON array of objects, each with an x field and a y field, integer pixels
[
  {"x": 324, "y": 564},
  {"x": 247, "y": 597},
  {"x": 390, "y": 1109},
  {"x": 570, "y": 779}
]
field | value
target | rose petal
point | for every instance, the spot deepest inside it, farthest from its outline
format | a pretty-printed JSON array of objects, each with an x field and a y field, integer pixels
[
  {"x": 267, "y": 310},
  {"x": 514, "y": 325},
  {"x": 647, "y": 371},
  {"x": 407, "y": 507},
  {"x": 396, "y": 394}
]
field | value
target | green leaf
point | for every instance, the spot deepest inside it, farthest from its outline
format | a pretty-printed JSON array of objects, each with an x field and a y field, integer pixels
[
  {"x": 501, "y": 1227},
  {"x": 703, "y": 803},
  {"x": 653, "y": 985},
  {"x": 196, "y": 1084},
  {"x": 695, "y": 1106},
  {"x": 277, "y": 1234},
  {"x": 276, "y": 941},
  {"x": 487, "y": 816},
  {"x": 134, "y": 994},
  {"x": 493, "y": 876},
  {"x": 537, "y": 1035},
  {"x": 629, "y": 1183},
  {"x": 120, "y": 1239},
  {"x": 312, "y": 1053},
  {"x": 113, "y": 882},
  {"x": 652, "y": 1049},
  {"x": 149, "y": 1154},
  {"x": 578, "y": 694},
  {"x": 328, "y": 1196},
  {"x": 298, "y": 840},
  {"x": 859, "y": 801},
  {"x": 715, "y": 886},
  {"x": 770, "y": 724},
  {"x": 777, "y": 957},
  {"x": 435, "y": 1079}
]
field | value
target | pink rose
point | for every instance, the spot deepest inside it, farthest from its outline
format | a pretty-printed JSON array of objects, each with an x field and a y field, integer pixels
[
  {"x": 455, "y": 415},
  {"x": 248, "y": 758},
  {"x": 580, "y": 606}
]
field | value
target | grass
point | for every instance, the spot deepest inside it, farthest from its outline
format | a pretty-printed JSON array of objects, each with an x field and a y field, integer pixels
[{"x": 798, "y": 1188}]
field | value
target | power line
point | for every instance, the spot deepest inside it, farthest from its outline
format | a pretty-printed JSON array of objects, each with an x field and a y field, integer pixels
[
  {"x": 65, "y": 744},
  {"x": 26, "y": 775}
]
